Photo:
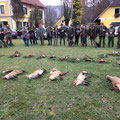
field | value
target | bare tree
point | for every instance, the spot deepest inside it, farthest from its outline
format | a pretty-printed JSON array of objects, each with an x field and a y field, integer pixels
[
  {"x": 50, "y": 15},
  {"x": 93, "y": 8}
]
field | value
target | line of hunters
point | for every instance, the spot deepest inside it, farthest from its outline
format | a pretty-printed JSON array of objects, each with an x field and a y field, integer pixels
[{"x": 32, "y": 34}]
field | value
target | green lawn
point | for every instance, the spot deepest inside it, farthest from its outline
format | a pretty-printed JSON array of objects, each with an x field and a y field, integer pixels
[{"x": 39, "y": 99}]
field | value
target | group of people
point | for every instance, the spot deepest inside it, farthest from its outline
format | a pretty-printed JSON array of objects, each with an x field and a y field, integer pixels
[
  {"x": 7, "y": 33},
  {"x": 31, "y": 35},
  {"x": 80, "y": 32}
]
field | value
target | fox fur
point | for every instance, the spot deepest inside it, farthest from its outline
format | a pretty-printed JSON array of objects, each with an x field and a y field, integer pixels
[
  {"x": 56, "y": 74},
  {"x": 81, "y": 79},
  {"x": 36, "y": 74},
  {"x": 11, "y": 73},
  {"x": 115, "y": 81}
]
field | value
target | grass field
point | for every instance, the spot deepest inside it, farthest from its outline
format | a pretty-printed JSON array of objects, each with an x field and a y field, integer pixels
[{"x": 39, "y": 99}]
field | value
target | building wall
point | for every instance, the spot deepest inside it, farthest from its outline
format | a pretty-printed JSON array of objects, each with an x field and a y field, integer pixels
[
  {"x": 108, "y": 17},
  {"x": 8, "y": 12}
]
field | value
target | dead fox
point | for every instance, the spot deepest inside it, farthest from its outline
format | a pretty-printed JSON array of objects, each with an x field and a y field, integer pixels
[
  {"x": 115, "y": 81},
  {"x": 56, "y": 74},
  {"x": 12, "y": 73},
  {"x": 81, "y": 79},
  {"x": 36, "y": 74}
]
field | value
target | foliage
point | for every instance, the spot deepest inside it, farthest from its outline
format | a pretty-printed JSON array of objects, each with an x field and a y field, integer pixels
[
  {"x": 77, "y": 11},
  {"x": 17, "y": 9},
  {"x": 36, "y": 16}
]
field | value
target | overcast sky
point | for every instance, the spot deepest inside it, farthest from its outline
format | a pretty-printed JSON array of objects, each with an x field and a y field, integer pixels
[{"x": 51, "y": 2}]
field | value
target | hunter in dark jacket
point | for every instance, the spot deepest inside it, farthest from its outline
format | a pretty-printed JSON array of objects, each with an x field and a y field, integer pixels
[
  {"x": 93, "y": 35},
  {"x": 49, "y": 31},
  {"x": 70, "y": 33},
  {"x": 111, "y": 34},
  {"x": 77, "y": 35},
  {"x": 84, "y": 35},
  {"x": 102, "y": 34},
  {"x": 62, "y": 34},
  {"x": 55, "y": 34}
]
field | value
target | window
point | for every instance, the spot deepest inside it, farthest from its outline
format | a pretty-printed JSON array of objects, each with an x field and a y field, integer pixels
[
  {"x": 25, "y": 23},
  {"x": 40, "y": 13},
  {"x": 25, "y": 10},
  {"x": 2, "y": 9},
  {"x": 117, "y": 12}
]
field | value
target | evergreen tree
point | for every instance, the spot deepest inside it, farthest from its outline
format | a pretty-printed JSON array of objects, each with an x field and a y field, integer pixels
[
  {"x": 36, "y": 16},
  {"x": 17, "y": 9},
  {"x": 77, "y": 12}
]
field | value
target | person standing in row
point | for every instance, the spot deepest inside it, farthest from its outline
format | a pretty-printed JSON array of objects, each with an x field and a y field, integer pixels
[
  {"x": 62, "y": 34},
  {"x": 55, "y": 34},
  {"x": 111, "y": 34},
  {"x": 84, "y": 35},
  {"x": 102, "y": 34},
  {"x": 24, "y": 31},
  {"x": 93, "y": 35},
  {"x": 35, "y": 37},
  {"x": 49, "y": 34},
  {"x": 40, "y": 34},
  {"x": 27, "y": 38},
  {"x": 2, "y": 38},
  {"x": 8, "y": 35},
  {"x": 77, "y": 35},
  {"x": 70, "y": 33},
  {"x": 118, "y": 43}
]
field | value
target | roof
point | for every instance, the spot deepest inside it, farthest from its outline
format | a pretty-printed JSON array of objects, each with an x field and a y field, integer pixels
[
  {"x": 33, "y": 2},
  {"x": 115, "y": 3}
]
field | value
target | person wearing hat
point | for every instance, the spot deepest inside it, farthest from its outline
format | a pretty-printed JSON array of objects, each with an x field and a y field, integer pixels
[
  {"x": 49, "y": 31},
  {"x": 62, "y": 34},
  {"x": 77, "y": 35},
  {"x": 31, "y": 32},
  {"x": 84, "y": 35},
  {"x": 40, "y": 34},
  {"x": 2, "y": 42},
  {"x": 102, "y": 34},
  {"x": 8, "y": 35},
  {"x": 93, "y": 34},
  {"x": 70, "y": 33},
  {"x": 118, "y": 43},
  {"x": 55, "y": 34},
  {"x": 111, "y": 34}
]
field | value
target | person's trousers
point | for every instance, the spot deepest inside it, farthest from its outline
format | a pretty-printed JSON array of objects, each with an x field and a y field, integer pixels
[
  {"x": 49, "y": 40},
  {"x": 77, "y": 40},
  {"x": 31, "y": 40},
  {"x": 24, "y": 39},
  {"x": 118, "y": 43},
  {"x": 42, "y": 40},
  {"x": 81, "y": 39},
  {"x": 55, "y": 41},
  {"x": 100, "y": 40},
  {"x": 35, "y": 40},
  {"x": 93, "y": 41},
  {"x": 110, "y": 41},
  {"x": 9, "y": 39},
  {"x": 84, "y": 44},
  {"x": 62, "y": 38},
  {"x": 27, "y": 42}
]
